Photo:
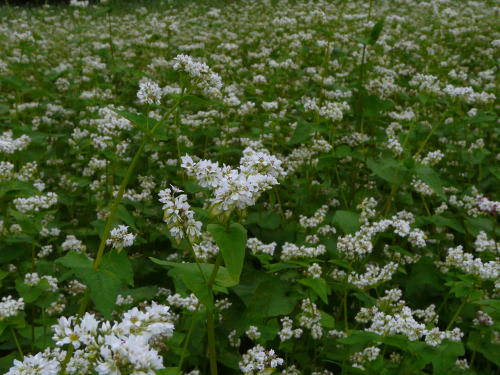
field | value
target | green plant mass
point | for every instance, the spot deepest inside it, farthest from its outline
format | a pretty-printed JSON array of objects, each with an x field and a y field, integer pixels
[{"x": 268, "y": 187}]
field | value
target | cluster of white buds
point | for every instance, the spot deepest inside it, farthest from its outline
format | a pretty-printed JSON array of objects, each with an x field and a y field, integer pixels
[
  {"x": 35, "y": 203},
  {"x": 203, "y": 77},
  {"x": 310, "y": 318},
  {"x": 9, "y": 145},
  {"x": 33, "y": 279},
  {"x": 475, "y": 266},
  {"x": 486, "y": 205},
  {"x": 71, "y": 243},
  {"x": 292, "y": 251},
  {"x": 482, "y": 318},
  {"x": 421, "y": 187},
  {"x": 315, "y": 220},
  {"x": 258, "y": 361},
  {"x": 287, "y": 331},
  {"x": 253, "y": 333},
  {"x": 258, "y": 247},
  {"x": 236, "y": 188},
  {"x": 333, "y": 111},
  {"x": 10, "y": 307},
  {"x": 482, "y": 243},
  {"x": 367, "y": 207},
  {"x": 190, "y": 302},
  {"x": 391, "y": 316},
  {"x": 149, "y": 92},
  {"x": 120, "y": 238},
  {"x": 178, "y": 215},
  {"x": 360, "y": 244},
  {"x": 369, "y": 354},
  {"x": 373, "y": 275}
]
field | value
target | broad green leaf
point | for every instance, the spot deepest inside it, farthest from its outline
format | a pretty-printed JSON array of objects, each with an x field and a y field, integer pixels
[
  {"x": 376, "y": 30},
  {"x": 386, "y": 169},
  {"x": 231, "y": 242},
  {"x": 302, "y": 132},
  {"x": 119, "y": 264},
  {"x": 318, "y": 285},
  {"x": 348, "y": 221},
  {"x": 431, "y": 178}
]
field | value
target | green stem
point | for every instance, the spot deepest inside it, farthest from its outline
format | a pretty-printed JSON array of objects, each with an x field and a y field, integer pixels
[
  {"x": 186, "y": 342},
  {"x": 456, "y": 314},
  {"x": 344, "y": 302},
  {"x": 17, "y": 343},
  {"x": 211, "y": 342}
]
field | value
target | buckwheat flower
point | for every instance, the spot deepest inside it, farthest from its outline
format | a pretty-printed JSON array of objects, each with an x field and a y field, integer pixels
[
  {"x": 35, "y": 203},
  {"x": 233, "y": 339},
  {"x": 10, "y": 307},
  {"x": 149, "y": 92},
  {"x": 120, "y": 238},
  {"x": 257, "y": 360},
  {"x": 71, "y": 243},
  {"x": 258, "y": 247},
  {"x": 253, "y": 333},
  {"x": 202, "y": 76},
  {"x": 38, "y": 364},
  {"x": 9, "y": 145}
]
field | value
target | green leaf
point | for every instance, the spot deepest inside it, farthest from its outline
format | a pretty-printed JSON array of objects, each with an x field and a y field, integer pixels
[
  {"x": 318, "y": 285},
  {"x": 195, "y": 281},
  {"x": 104, "y": 284},
  {"x": 431, "y": 178},
  {"x": 375, "y": 32},
  {"x": 169, "y": 371},
  {"x": 142, "y": 122},
  {"x": 120, "y": 265},
  {"x": 385, "y": 168},
  {"x": 348, "y": 221},
  {"x": 327, "y": 320},
  {"x": 231, "y": 242},
  {"x": 484, "y": 346},
  {"x": 302, "y": 132}
]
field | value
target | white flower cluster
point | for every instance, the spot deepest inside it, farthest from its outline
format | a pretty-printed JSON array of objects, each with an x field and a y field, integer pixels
[
  {"x": 236, "y": 188},
  {"x": 367, "y": 207},
  {"x": 287, "y": 331},
  {"x": 315, "y": 220},
  {"x": 258, "y": 247},
  {"x": 482, "y": 243},
  {"x": 45, "y": 363},
  {"x": 209, "y": 81},
  {"x": 9, "y": 145},
  {"x": 149, "y": 92},
  {"x": 421, "y": 187},
  {"x": 178, "y": 215},
  {"x": 482, "y": 318},
  {"x": 120, "y": 238},
  {"x": 391, "y": 316},
  {"x": 206, "y": 248},
  {"x": 333, "y": 111},
  {"x": 360, "y": 244},
  {"x": 33, "y": 279},
  {"x": 115, "y": 348},
  {"x": 469, "y": 95},
  {"x": 35, "y": 203},
  {"x": 253, "y": 333},
  {"x": 257, "y": 360},
  {"x": 310, "y": 318},
  {"x": 292, "y": 251},
  {"x": 486, "y": 205},
  {"x": 10, "y": 307},
  {"x": 432, "y": 158},
  {"x": 369, "y": 354},
  {"x": 190, "y": 302},
  {"x": 71, "y": 243},
  {"x": 306, "y": 154},
  {"x": 373, "y": 275},
  {"x": 475, "y": 266}
]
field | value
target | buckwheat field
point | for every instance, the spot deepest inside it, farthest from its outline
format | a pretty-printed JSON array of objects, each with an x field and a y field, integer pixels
[{"x": 249, "y": 187}]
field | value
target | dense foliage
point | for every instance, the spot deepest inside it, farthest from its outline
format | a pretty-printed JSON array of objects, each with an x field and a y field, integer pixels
[{"x": 261, "y": 188}]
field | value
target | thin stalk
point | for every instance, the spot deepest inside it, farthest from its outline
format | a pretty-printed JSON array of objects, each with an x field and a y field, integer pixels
[
  {"x": 17, "y": 343},
  {"x": 344, "y": 301},
  {"x": 455, "y": 316},
  {"x": 186, "y": 343}
]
